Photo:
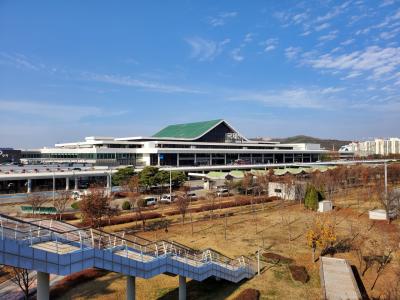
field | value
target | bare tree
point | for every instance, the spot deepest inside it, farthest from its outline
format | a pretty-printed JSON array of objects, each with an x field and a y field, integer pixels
[
  {"x": 247, "y": 182},
  {"x": 182, "y": 201},
  {"x": 36, "y": 201},
  {"x": 390, "y": 202},
  {"x": 212, "y": 196},
  {"x": 95, "y": 205},
  {"x": 23, "y": 280},
  {"x": 60, "y": 202}
]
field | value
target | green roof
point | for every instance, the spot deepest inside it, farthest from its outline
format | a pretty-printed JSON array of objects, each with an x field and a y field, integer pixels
[{"x": 187, "y": 131}]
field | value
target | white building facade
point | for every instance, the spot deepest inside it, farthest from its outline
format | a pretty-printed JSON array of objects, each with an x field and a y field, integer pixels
[{"x": 194, "y": 144}]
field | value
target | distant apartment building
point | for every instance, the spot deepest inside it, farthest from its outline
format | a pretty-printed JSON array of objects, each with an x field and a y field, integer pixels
[{"x": 382, "y": 147}]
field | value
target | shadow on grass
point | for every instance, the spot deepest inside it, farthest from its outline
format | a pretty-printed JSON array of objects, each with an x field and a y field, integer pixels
[
  {"x": 360, "y": 284},
  {"x": 207, "y": 289},
  {"x": 90, "y": 289}
]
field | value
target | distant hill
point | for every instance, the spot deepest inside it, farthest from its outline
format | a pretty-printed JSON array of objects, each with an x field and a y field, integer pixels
[{"x": 328, "y": 144}]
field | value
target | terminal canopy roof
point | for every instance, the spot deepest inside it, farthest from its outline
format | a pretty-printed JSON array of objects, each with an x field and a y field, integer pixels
[{"x": 207, "y": 131}]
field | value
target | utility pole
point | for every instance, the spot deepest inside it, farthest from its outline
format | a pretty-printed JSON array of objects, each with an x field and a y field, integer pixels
[
  {"x": 170, "y": 183},
  {"x": 258, "y": 261},
  {"x": 386, "y": 182},
  {"x": 54, "y": 187}
]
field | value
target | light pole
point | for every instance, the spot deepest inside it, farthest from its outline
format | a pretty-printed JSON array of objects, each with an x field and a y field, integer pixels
[
  {"x": 170, "y": 183},
  {"x": 54, "y": 187}
]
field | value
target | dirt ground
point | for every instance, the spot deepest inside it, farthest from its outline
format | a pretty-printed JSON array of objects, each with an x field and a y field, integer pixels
[{"x": 267, "y": 229}]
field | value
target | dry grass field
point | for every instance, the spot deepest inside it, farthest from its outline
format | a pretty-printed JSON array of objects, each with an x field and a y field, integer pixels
[{"x": 269, "y": 229}]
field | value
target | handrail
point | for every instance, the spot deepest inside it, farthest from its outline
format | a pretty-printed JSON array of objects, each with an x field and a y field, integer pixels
[{"x": 97, "y": 238}]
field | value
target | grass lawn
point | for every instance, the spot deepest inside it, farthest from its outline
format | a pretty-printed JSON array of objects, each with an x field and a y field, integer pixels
[{"x": 267, "y": 229}]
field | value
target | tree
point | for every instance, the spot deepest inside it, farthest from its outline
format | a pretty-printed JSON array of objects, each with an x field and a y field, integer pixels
[
  {"x": 60, "y": 202},
  {"x": 230, "y": 183},
  {"x": 182, "y": 201},
  {"x": 23, "y": 280},
  {"x": 178, "y": 178},
  {"x": 95, "y": 205},
  {"x": 321, "y": 234},
  {"x": 123, "y": 175},
  {"x": 390, "y": 202},
  {"x": 140, "y": 204},
  {"x": 36, "y": 201},
  {"x": 247, "y": 182},
  {"x": 312, "y": 197},
  {"x": 148, "y": 177}
]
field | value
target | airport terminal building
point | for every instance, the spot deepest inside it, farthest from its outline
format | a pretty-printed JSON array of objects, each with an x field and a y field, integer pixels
[{"x": 206, "y": 143}]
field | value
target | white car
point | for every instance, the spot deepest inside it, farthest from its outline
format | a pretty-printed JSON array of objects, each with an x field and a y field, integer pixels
[
  {"x": 77, "y": 195},
  {"x": 222, "y": 192},
  {"x": 150, "y": 201},
  {"x": 167, "y": 198}
]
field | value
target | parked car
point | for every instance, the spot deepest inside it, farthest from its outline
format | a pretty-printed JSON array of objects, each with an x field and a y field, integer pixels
[
  {"x": 166, "y": 198},
  {"x": 77, "y": 195},
  {"x": 150, "y": 201},
  {"x": 192, "y": 196},
  {"x": 223, "y": 192}
]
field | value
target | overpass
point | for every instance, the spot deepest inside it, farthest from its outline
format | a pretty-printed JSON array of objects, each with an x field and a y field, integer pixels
[
  {"x": 29, "y": 174},
  {"x": 53, "y": 247},
  {"x": 68, "y": 175}
]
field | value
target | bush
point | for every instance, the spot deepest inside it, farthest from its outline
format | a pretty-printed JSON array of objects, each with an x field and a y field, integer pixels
[
  {"x": 126, "y": 205},
  {"x": 299, "y": 273},
  {"x": 71, "y": 281},
  {"x": 75, "y": 205},
  {"x": 274, "y": 258},
  {"x": 248, "y": 294}
]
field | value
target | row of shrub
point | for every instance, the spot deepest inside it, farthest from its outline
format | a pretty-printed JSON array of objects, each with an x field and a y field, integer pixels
[
  {"x": 239, "y": 201},
  {"x": 116, "y": 220},
  {"x": 64, "y": 216}
]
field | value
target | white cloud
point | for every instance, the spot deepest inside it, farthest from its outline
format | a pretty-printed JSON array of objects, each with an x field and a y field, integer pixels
[
  {"x": 299, "y": 18},
  {"x": 295, "y": 98},
  {"x": 337, "y": 10},
  {"x": 205, "y": 50},
  {"x": 322, "y": 26},
  {"x": 138, "y": 83},
  {"x": 292, "y": 52},
  {"x": 248, "y": 37},
  {"x": 236, "y": 55},
  {"x": 347, "y": 42},
  {"x": 19, "y": 61},
  {"x": 387, "y": 3},
  {"x": 379, "y": 61},
  {"x": 222, "y": 18},
  {"x": 329, "y": 37},
  {"x": 270, "y": 44},
  {"x": 55, "y": 111}
]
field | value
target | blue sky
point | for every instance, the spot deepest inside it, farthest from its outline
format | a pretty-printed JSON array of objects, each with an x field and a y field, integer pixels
[{"x": 70, "y": 69}]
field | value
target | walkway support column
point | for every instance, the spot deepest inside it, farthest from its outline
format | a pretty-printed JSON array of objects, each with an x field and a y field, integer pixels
[
  {"x": 43, "y": 286},
  {"x": 76, "y": 184},
  {"x": 67, "y": 183},
  {"x": 130, "y": 288},
  {"x": 182, "y": 287},
  {"x": 29, "y": 186}
]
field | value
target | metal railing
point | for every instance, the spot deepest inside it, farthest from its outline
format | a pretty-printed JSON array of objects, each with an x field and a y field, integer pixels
[{"x": 59, "y": 237}]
